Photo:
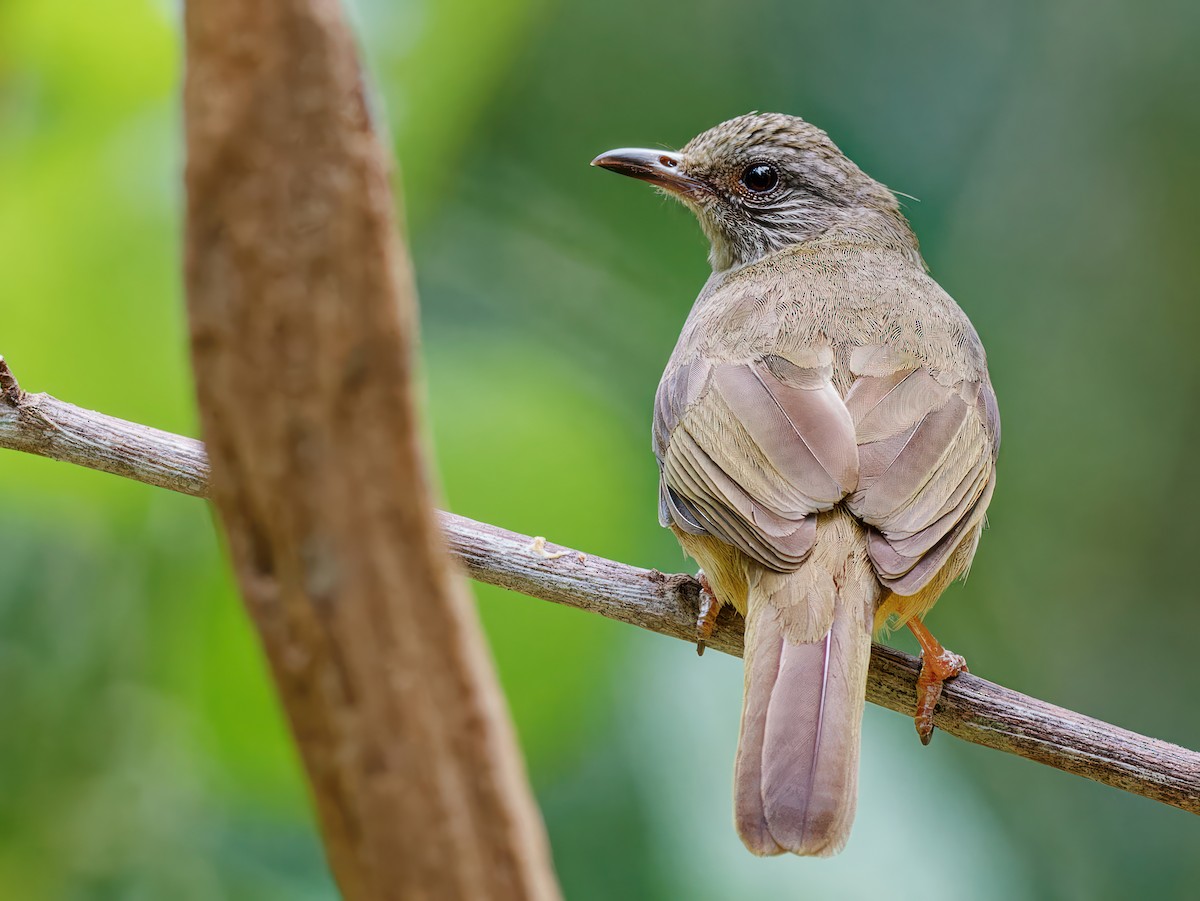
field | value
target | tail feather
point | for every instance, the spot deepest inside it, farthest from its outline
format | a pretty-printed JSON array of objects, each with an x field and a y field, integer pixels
[
  {"x": 796, "y": 776},
  {"x": 762, "y": 668}
]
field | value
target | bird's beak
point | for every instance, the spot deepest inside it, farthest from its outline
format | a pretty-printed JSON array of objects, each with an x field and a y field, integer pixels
[{"x": 658, "y": 167}]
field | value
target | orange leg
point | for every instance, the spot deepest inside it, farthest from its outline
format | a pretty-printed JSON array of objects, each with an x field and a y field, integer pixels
[
  {"x": 937, "y": 665},
  {"x": 706, "y": 621}
]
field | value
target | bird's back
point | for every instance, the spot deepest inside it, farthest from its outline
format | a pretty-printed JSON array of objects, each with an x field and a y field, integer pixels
[
  {"x": 843, "y": 295},
  {"x": 914, "y": 409}
]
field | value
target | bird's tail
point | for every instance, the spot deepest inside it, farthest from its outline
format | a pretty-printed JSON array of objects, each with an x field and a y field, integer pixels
[{"x": 808, "y": 643}]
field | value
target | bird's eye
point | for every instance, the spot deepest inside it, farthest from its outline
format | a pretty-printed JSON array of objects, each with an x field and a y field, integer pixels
[{"x": 760, "y": 178}]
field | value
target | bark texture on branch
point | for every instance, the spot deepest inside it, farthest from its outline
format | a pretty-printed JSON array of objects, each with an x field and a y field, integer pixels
[
  {"x": 971, "y": 708},
  {"x": 302, "y": 316},
  {"x": 44, "y": 425}
]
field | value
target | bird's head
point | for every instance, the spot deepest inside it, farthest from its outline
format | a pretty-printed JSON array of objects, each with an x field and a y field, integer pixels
[{"x": 766, "y": 181}]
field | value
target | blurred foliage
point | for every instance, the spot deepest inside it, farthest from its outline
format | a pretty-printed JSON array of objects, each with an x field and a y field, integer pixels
[{"x": 1053, "y": 147}]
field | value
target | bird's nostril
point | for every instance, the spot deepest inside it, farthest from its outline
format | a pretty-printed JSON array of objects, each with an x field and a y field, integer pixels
[{"x": 668, "y": 161}]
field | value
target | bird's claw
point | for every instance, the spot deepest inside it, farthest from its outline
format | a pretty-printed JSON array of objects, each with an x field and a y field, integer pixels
[
  {"x": 706, "y": 619},
  {"x": 936, "y": 668},
  {"x": 937, "y": 665}
]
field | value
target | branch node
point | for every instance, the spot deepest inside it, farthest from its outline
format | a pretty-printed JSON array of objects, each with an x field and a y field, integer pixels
[
  {"x": 10, "y": 390},
  {"x": 687, "y": 587}
]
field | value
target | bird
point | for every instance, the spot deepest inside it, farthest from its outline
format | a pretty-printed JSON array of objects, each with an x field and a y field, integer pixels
[{"x": 826, "y": 435}]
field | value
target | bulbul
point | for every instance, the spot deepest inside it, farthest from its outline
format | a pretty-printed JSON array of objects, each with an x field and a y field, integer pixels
[{"x": 826, "y": 435}]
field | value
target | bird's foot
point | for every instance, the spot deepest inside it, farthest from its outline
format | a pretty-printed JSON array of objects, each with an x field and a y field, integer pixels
[
  {"x": 706, "y": 620},
  {"x": 937, "y": 665}
]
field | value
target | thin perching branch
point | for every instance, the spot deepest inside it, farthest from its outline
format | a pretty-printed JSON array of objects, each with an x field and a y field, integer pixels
[{"x": 971, "y": 708}]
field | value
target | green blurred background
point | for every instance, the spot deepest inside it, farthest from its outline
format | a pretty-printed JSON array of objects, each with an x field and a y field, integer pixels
[{"x": 1053, "y": 146}]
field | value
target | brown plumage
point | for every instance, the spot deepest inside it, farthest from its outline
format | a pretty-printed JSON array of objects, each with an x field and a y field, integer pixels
[{"x": 826, "y": 436}]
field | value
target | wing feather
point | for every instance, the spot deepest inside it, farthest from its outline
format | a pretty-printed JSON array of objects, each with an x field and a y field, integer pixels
[
  {"x": 927, "y": 465},
  {"x": 750, "y": 451}
]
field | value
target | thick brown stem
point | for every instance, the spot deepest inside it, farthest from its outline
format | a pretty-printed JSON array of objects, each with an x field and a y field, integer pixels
[{"x": 302, "y": 315}]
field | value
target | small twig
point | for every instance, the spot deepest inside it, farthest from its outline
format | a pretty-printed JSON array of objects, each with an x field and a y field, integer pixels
[{"x": 971, "y": 708}]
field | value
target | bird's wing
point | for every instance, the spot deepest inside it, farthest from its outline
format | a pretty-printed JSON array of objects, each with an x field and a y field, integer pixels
[
  {"x": 927, "y": 449},
  {"x": 750, "y": 451}
]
